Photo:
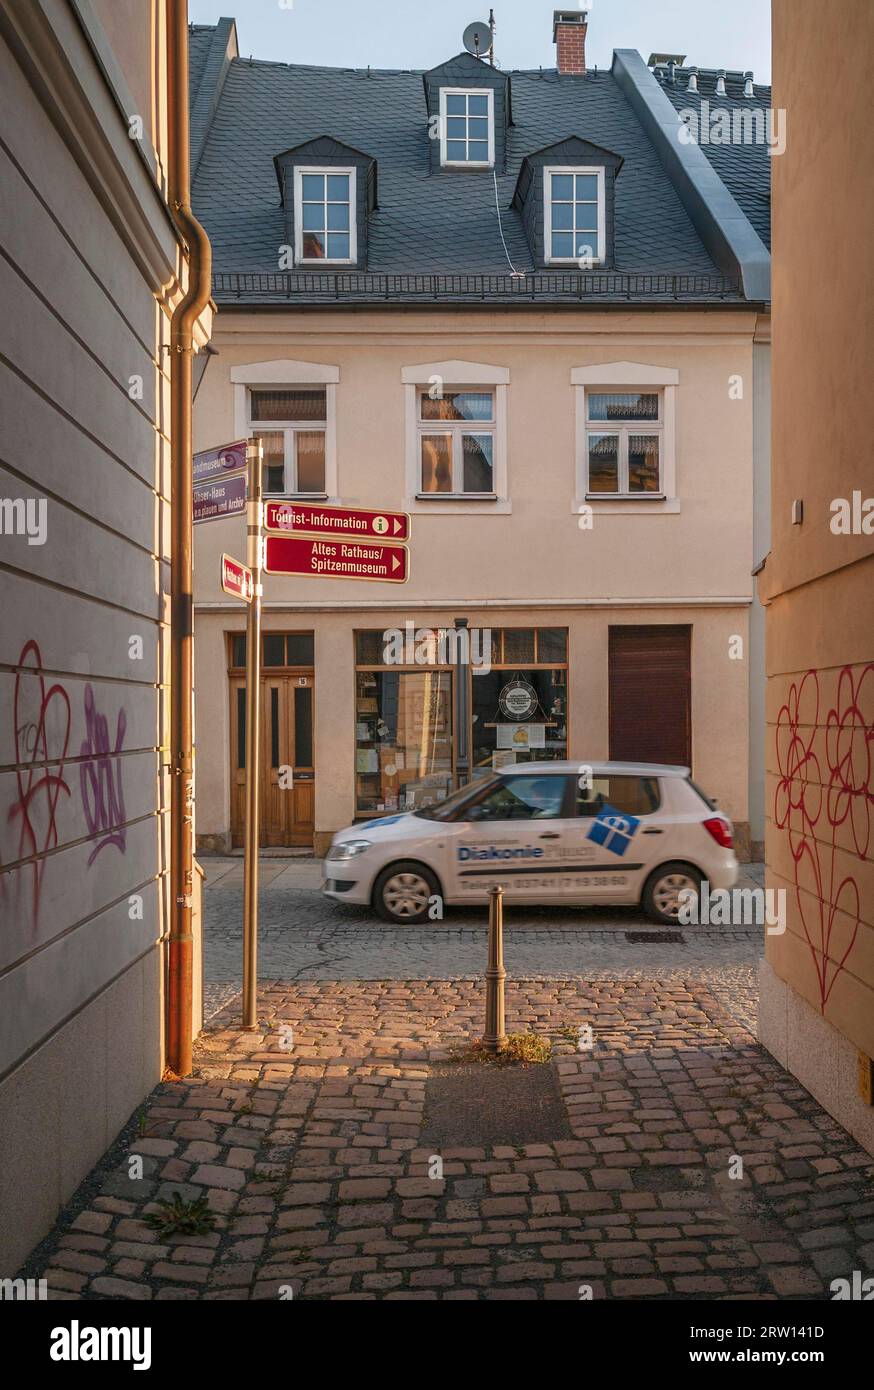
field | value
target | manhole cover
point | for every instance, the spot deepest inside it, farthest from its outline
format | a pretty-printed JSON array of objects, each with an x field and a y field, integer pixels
[
  {"x": 482, "y": 1105},
  {"x": 659, "y": 938}
]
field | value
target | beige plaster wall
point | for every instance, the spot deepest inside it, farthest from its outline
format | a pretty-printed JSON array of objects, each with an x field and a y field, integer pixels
[
  {"x": 537, "y": 551},
  {"x": 83, "y": 642},
  {"x": 819, "y": 585}
]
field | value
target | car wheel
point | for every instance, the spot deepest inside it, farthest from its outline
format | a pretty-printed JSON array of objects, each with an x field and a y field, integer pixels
[
  {"x": 661, "y": 895},
  {"x": 402, "y": 893}
]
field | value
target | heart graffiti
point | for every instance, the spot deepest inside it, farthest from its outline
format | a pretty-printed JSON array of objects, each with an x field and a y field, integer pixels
[{"x": 812, "y": 800}]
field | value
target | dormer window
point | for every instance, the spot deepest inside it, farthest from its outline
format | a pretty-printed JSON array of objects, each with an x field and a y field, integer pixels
[
  {"x": 324, "y": 202},
  {"x": 574, "y": 216},
  {"x": 467, "y": 128}
]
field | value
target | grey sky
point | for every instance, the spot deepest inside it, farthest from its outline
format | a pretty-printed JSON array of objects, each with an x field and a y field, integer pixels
[{"x": 390, "y": 34}]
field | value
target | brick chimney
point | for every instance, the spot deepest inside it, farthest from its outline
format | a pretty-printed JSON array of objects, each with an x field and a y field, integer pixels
[{"x": 569, "y": 35}]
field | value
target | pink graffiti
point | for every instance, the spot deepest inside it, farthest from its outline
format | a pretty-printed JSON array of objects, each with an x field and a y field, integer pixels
[
  {"x": 101, "y": 784},
  {"x": 810, "y": 800},
  {"x": 42, "y": 736}
]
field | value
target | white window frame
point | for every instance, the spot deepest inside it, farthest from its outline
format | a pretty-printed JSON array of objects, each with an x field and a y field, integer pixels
[
  {"x": 612, "y": 377},
  {"x": 327, "y": 170},
  {"x": 487, "y": 92},
  {"x": 575, "y": 169},
  {"x": 287, "y": 374},
  {"x": 456, "y": 429},
  {"x": 455, "y": 375}
]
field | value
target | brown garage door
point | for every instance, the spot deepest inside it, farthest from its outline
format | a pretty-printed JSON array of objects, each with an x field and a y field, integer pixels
[{"x": 651, "y": 694}]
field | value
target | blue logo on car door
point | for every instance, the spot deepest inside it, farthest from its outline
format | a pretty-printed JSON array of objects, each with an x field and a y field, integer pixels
[{"x": 613, "y": 830}]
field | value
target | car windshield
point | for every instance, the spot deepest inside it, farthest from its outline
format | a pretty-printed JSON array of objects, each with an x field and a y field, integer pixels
[{"x": 445, "y": 810}]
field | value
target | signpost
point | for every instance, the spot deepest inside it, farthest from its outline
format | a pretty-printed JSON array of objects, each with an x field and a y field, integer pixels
[
  {"x": 319, "y": 542},
  {"x": 300, "y": 518},
  {"x": 336, "y": 559},
  {"x": 254, "y": 530},
  {"x": 219, "y": 463},
  {"x": 237, "y": 579}
]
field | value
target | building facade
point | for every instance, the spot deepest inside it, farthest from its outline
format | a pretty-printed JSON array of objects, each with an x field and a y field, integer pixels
[
  {"x": 92, "y": 268},
  {"x": 817, "y": 1007},
  {"x": 531, "y": 317}
]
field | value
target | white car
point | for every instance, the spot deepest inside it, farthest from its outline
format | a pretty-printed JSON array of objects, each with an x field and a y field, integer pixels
[{"x": 548, "y": 833}]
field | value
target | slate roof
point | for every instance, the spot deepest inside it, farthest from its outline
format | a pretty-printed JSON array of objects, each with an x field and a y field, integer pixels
[
  {"x": 441, "y": 224},
  {"x": 744, "y": 169}
]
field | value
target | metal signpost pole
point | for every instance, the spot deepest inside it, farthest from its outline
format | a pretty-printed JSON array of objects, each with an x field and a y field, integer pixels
[{"x": 253, "y": 762}]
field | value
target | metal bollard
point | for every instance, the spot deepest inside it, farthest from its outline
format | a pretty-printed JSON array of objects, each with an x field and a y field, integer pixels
[{"x": 495, "y": 1036}]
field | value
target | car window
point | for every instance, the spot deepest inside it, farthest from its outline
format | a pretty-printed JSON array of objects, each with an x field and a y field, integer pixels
[
  {"x": 450, "y": 807},
  {"x": 522, "y": 798},
  {"x": 633, "y": 796}
]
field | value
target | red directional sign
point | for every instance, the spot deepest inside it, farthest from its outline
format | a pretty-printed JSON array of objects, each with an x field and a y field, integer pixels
[
  {"x": 335, "y": 559},
  {"x": 302, "y": 518},
  {"x": 237, "y": 579}
]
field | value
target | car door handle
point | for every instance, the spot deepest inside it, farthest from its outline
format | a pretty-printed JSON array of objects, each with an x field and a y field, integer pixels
[
  {"x": 653, "y": 832},
  {"x": 550, "y": 835}
]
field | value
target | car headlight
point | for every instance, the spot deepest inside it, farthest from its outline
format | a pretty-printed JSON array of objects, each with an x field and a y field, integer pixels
[{"x": 348, "y": 849}]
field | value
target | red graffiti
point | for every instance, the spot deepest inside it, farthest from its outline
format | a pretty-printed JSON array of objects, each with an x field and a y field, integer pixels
[
  {"x": 811, "y": 799},
  {"x": 100, "y": 782},
  {"x": 42, "y": 735}
]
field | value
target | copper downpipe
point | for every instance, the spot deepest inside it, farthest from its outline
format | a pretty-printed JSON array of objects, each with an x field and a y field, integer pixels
[{"x": 185, "y": 316}]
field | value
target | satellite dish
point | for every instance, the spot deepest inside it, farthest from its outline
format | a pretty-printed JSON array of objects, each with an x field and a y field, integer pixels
[{"x": 478, "y": 39}]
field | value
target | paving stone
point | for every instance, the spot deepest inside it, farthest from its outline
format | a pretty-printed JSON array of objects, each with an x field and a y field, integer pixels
[{"x": 316, "y": 1169}]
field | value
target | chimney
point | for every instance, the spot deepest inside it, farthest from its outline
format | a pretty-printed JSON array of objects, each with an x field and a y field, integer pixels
[{"x": 569, "y": 36}]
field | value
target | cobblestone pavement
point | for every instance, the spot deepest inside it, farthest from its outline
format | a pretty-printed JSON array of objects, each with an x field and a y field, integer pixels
[
  {"x": 311, "y": 1161},
  {"x": 303, "y": 936}
]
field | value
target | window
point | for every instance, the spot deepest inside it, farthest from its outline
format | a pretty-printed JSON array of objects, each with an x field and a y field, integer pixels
[
  {"x": 457, "y": 443},
  {"x": 324, "y": 202},
  {"x": 574, "y": 217},
  {"x": 519, "y": 705},
  {"x": 403, "y": 735},
  {"x": 467, "y": 128},
  {"x": 630, "y": 796},
  {"x": 278, "y": 649},
  {"x": 624, "y": 442},
  {"x": 521, "y": 798},
  {"x": 291, "y": 424}
]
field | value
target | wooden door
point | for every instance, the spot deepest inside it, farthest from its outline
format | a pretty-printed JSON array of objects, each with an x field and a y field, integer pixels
[
  {"x": 287, "y": 783},
  {"x": 651, "y": 694}
]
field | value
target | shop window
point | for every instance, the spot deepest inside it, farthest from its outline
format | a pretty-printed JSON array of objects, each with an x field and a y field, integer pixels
[
  {"x": 403, "y": 739},
  {"x": 519, "y": 707}
]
